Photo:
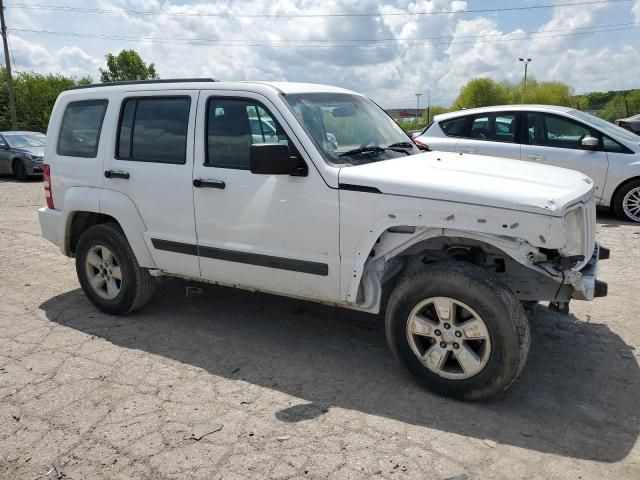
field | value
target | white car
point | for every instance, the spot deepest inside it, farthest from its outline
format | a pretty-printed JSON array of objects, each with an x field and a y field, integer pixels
[
  {"x": 172, "y": 181},
  {"x": 550, "y": 135}
]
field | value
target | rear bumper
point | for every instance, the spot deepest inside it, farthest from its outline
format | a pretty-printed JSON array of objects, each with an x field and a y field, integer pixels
[
  {"x": 52, "y": 226},
  {"x": 589, "y": 287}
]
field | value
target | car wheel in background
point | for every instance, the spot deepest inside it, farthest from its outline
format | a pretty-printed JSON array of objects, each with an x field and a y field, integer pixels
[
  {"x": 626, "y": 203},
  {"x": 19, "y": 170}
]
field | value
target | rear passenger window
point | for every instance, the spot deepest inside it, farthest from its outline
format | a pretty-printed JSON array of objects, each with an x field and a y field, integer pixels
[
  {"x": 80, "y": 128},
  {"x": 233, "y": 125},
  {"x": 454, "y": 127},
  {"x": 494, "y": 127},
  {"x": 154, "y": 129}
]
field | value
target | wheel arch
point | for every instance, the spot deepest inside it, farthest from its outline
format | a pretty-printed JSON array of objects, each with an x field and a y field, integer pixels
[
  {"x": 620, "y": 186},
  {"x": 393, "y": 257},
  {"x": 88, "y": 206}
]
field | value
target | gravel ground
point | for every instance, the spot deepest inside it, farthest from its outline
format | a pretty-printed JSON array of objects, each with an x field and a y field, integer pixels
[{"x": 301, "y": 390}]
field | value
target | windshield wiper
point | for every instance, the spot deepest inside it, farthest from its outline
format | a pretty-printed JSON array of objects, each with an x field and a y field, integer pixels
[
  {"x": 401, "y": 147},
  {"x": 357, "y": 151}
]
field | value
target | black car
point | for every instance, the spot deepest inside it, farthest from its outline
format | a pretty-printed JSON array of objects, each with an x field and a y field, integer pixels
[{"x": 21, "y": 153}]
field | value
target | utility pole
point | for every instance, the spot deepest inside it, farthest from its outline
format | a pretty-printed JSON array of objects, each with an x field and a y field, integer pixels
[
  {"x": 7, "y": 62},
  {"x": 428, "y": 105},
  {"x": 526, "y": 64},
  {"x": 418, "y": 95}
]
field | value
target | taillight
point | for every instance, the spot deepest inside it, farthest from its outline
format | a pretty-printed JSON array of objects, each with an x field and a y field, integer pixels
[
  {"x": 46, "y": 178},
  {"x": 421, "y": 145}
]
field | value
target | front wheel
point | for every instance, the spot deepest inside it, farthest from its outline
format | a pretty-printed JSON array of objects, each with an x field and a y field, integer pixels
[
  {"x": 109, "y": 272},
  {"x": 626, "y": 203},
  {"x": 459, "y": 330},
  {"x": 19, "y": 170}
]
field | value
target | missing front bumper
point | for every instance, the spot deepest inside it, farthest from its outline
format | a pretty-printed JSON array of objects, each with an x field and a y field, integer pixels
[{"x": 589, "y": 287}]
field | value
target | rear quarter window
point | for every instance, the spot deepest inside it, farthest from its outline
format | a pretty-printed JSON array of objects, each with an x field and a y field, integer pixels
[
  {"x": 80, "y": 128},
  {"x": 454, "y": 127}
]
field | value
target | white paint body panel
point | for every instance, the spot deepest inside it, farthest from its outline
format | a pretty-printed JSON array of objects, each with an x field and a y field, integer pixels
[
  {"x": 161, "y": 192},
  {"x": 472, "y": 179},
  {"x": 273, "y": 215}
]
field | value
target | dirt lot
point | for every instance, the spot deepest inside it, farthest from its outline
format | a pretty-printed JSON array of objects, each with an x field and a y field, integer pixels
[{"x": 301, "y": 390}]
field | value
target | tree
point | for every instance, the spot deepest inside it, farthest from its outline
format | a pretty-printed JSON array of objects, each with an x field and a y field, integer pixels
[
  {"x": 35, "y": 96},
  {"x": 546, "y": 93},
  {"x": 622, "y": 105},
  {"x": 127, "y": 65},
  {"x": 483, "y": 92}
]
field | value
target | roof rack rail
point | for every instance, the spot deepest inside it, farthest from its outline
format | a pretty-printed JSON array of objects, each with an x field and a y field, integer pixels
[{"x": 144, "y": 82}]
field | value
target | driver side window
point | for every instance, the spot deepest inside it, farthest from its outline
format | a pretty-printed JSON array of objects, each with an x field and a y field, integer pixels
[
  {"x": 233, "y": 125},
  {"x": 555, "y": 131}
]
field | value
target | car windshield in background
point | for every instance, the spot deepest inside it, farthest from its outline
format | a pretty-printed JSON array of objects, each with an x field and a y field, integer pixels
[
  {"x": 25, "y": 140},
  {"x": 350, "y": 129},
  {"x": 607, "y": 127}
]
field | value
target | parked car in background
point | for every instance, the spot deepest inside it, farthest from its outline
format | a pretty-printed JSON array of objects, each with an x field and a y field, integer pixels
[
  {"x": 630, "y": 123},
  {"x": 550, "y": 135},
  {"x": 21, "y": 153}
]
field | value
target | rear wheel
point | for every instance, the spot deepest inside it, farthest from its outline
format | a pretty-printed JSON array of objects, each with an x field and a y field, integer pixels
[
  {"x": 458, "y": 330},
  {"x": 626, "y": 203},
  {"x": 109, "y": 272},
  {"x": 19, "y": 170}
]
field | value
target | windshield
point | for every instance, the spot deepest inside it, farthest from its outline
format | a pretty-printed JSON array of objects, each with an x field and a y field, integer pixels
[
  {"x": 25, "y": 140},
  {"x": 350, "y": 129},
  {"x": 607, "y": 127}
]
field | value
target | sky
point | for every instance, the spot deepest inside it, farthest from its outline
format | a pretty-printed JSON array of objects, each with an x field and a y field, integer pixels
[{"x": 390, "y": 50}]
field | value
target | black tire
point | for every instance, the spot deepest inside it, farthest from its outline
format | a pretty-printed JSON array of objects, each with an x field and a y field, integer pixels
[
  {"x": 137, "y": 285},
  {"x": 19, "y": 170},
  {"x": 618, "y": 199},
  {"x": 493, "y": 301}
]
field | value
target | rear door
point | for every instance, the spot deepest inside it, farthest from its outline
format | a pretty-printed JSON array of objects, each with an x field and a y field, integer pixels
[
  {"x": 151, "y": 161},
  {"x": 492, "y": 134},
  {"x": 557, "y": 140}
]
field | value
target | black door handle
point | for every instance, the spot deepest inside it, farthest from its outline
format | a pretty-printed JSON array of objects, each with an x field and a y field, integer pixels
[
  {"x": 116, "y": 174},
  {"x": 208, "y": 183}
]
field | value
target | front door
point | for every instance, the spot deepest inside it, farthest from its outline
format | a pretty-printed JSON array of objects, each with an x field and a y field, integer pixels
[
  {"x": 275, "y": 233},
  {"x": 557, "y": 140},
  {"x": 151, "y": 161}
]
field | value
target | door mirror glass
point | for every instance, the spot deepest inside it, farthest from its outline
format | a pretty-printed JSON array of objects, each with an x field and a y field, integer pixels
[
  {"x": 590, "y": 142},
  {"x": 272, "y": 159}
]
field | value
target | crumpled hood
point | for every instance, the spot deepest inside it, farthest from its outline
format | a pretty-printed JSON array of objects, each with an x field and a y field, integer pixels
[{"x": 475, "y": 179}]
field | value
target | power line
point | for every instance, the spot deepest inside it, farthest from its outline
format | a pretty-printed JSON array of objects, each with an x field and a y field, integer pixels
[
  {"x": 302, "y": 44},
  {"x": 398, "y": 40},
  {"x": 72, "y": 9}
]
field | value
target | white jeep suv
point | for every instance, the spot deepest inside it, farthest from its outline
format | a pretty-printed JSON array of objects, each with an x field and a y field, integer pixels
[{"x": 333, "y": 204}]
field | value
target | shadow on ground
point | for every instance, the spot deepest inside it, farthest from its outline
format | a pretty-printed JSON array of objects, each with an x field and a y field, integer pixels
[
  {"x": 6, "y": 178},
  {"x": 576, "y": 397}
]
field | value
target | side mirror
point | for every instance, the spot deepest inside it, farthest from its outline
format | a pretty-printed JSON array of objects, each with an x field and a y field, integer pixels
[
  {"x": 275, "y": 159},
  {"x": 590, "y": 142},
  {"x": 4, "y": 147}
]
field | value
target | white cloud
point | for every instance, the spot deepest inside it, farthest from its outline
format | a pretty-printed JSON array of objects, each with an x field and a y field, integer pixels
[{"x": 418, "y": 52}]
